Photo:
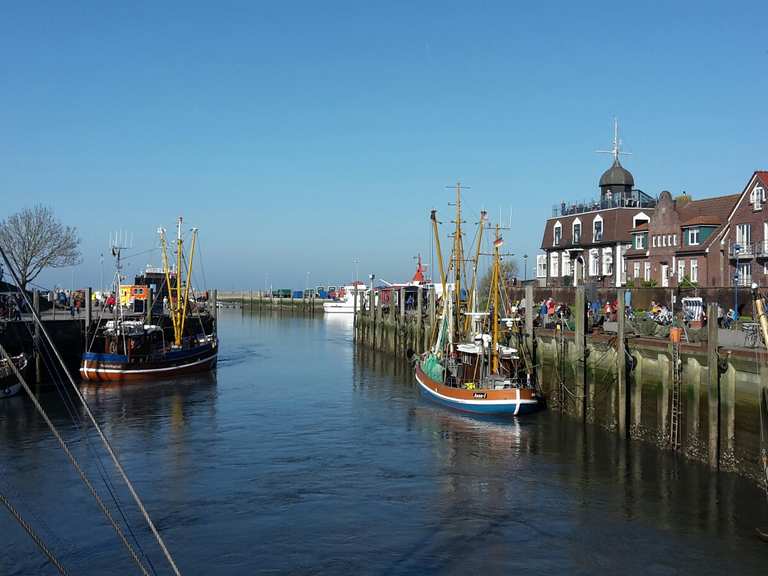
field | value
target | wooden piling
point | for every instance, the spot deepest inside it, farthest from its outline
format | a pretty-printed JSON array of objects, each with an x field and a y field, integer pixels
[
  {"x": 621, "y": 368},
  {"x": 580, "y": 363},
  {"x": 420, "y": 346},
  {"x": 713, "y": 388}
]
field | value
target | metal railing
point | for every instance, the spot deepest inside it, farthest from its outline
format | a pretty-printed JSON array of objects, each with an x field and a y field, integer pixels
[{"x": 748, "y": 250}]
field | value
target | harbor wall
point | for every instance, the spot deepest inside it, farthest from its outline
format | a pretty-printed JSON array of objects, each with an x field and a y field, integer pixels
[{"x": 698, "y": 399}]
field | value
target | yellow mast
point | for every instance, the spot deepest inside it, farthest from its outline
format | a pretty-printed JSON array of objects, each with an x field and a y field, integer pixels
[
  {"x": 760, "y": 313},
  {"x": 458, "y": 257},
  {"x": 177, "y": 306},
  {"x": 471, "y": 297},
  {"x": 183, "y": 316},
  {"x": 495, "y": 295},
  {"x": 435, "y": 231}
]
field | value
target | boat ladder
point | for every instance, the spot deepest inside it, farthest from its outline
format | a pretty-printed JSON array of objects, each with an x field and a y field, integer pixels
[{"x": 676, "y": 408}]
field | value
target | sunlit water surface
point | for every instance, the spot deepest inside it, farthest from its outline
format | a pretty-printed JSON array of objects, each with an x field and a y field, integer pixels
[{"x": 303, "y": 455}]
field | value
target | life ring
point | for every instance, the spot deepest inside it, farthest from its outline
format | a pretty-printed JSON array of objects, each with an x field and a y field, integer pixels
[{"x": 112, "y": 347}]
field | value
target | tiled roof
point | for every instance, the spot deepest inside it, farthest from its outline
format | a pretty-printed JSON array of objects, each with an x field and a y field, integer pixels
[
  {"x": 616, "y": 225},
  {"x": 702, "y": 220}
]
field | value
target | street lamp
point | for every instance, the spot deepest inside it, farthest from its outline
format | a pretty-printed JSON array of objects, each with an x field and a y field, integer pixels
[{"x": 525, "y": 267}]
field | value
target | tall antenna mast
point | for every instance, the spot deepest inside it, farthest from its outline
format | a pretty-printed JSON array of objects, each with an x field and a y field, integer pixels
[
  {"x": 458, "y": 252},
  {"x": 615, "y": 150}
]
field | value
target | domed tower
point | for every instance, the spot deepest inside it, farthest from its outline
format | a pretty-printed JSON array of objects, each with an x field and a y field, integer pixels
[{"x": 616, "y": 183}]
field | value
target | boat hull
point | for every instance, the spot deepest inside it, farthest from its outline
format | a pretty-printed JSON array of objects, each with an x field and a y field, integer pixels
[
  {"x": 8, "y": 389},
  {"x": 511, "y": 401},
  {"x": 117, "y": 368}
]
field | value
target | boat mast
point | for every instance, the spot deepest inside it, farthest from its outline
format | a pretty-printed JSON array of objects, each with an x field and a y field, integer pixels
[
  {"x": 472, "y": 304},
  {"x": 458, "y": 254},
  {"x": 495, "y": 297},
  {"x": 435, "y": 231},
  {"x": 178, "y": 305}
]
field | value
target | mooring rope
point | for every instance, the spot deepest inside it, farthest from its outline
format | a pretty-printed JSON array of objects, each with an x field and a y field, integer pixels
[
  {"x": 92, "y": 418},
  {"x": 32, "y": 534},
  {"x": 73, "y": 460}
]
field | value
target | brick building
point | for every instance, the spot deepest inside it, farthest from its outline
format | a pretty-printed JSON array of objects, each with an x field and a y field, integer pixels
[
  {"x": 682, "y": 244},
  {"x": 746, "y": 239},
  {"x": 586, "y": 243}
]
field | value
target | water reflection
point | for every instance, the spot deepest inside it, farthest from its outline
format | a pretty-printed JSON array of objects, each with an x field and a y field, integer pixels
[{"x": 302, "y": 437}]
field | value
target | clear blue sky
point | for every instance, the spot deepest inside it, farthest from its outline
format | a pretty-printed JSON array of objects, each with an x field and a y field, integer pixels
[{"x": 299, "y": 136}]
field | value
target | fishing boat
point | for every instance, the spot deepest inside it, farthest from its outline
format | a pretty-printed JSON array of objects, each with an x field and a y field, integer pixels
[
  {"x": 472, "y": 365},
  {"x": 346, "y": 299},
  {"x": 9, "y": 383},
  {"x": 181, "y": 338}
]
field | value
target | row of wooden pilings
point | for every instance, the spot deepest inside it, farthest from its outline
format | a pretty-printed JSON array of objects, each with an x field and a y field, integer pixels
[{"x": 403, "y": 331}]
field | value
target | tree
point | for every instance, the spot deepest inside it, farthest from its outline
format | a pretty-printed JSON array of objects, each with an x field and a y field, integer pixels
[
  {"x": 508, "y": 273},
  {"x": 34, "y": 240}
]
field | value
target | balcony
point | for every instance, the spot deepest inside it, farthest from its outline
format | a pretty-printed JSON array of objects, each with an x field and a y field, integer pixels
[
  {"x": 638, "y": 199},
  {"x": 741, "y": 251},
  {"x": 761, "y": 249}
]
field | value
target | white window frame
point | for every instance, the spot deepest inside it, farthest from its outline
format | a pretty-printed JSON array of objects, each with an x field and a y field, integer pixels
[
  {"x": 541, "y": 266},
  {"x": 554, "y": 264},
  {"x": 566, "y": 263},
  {"x": 757, "y": 198},
  {"x": 694, "y": 270},
  {"x": 597, "y": 219},
  {"x": 594, "y": 262},
  {"x": 607, "y": 262},
  {"x": 680, "y": 270},
  {"x": 647, "y": 272},
  {"x": 636, "y": 271},
  {"x": 693, "y": 233},
  {"x": 744, "y": 236},
  {"x": 576, "y": 240},
  {"x": 557, "y": 234}
]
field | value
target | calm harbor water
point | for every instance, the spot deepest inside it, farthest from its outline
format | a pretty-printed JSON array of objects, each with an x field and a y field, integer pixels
[{"x": 303, "y": 455}]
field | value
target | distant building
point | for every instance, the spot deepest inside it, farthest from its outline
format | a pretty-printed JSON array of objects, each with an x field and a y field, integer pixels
[{"x": 585, "y": 243}]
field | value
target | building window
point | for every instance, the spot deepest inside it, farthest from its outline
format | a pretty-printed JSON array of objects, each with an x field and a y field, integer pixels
[
  {"x": 664, "y": 241},
  {"x": 647, "y": 272},
  {"x": 597, "y": 229},
  {"x": 693, "y": 237},
  {"x": 636, "y": 270},
  {"x": 577, "y": 231},
  {"x": 680, "y": 270},
  {"x": 594, "y": 262},
  {"x": 558, "y": 233},
  {"x": 694, "y": 270},
  {"x": 674, "y": 240},
  {"x": 744, "y": 274},
  {"x": 757, "y": 198},
  {"x": 640, "y": 241},
  {"x": 744, "y": 236},
  {"x": 653, "y": 241},
  {"x": 541, "y": 266},
  {"x": 607, "y": 262},
  {"x": 554, "y": 265},
  {"x": 566, "y": 264}
]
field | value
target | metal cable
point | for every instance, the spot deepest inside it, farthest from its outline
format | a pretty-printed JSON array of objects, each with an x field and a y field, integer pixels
[
  {"x": 73, "y": 460},
  {"x": 32, "y": 534},
  {"x": 92, "y": 418}
]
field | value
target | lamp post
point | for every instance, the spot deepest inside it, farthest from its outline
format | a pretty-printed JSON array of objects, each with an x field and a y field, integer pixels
[
  {"x": 525, "y": 267},
  {"x": 737, "y": 248}
]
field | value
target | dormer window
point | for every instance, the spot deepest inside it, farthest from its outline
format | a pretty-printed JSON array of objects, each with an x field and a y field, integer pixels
[
  {"x": 693, "y": 237},
  {"x": 558, "y": 234},
  {"x": 757, "y": 198},
  {"x": 597, "y": 229},
  {"x": 577, "y": 231}
]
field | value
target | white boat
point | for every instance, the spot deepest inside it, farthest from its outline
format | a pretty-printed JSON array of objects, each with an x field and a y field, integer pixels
[{"x": 345, "y": 303}]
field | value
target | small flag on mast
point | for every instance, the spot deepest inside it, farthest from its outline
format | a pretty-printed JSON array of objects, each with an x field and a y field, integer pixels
[{"x": 498, "y": 242}]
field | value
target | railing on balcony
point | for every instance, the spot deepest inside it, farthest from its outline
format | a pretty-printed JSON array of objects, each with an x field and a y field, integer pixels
[
  {"x": 638, "y": 199},
  {"x": 746, "y": 250}
]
